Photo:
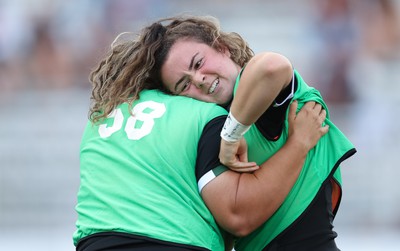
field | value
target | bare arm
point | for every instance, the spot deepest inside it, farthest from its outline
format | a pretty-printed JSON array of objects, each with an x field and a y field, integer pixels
[
  {"x": 241, "y": 202},
  {"x": 264, "y": 77}
]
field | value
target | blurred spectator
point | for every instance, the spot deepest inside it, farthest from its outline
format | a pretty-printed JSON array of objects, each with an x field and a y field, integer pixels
[
  {"x": 54, "y": 43},
  {"x": 335, "y": 30},
  {"x": 376, "y": 69},
  {"x": 380, "y": 28},
  {"x": 64, "y": 42},
  {"x": 15, "y": 37},
  {"x": 78, "y": 29},
  {"x": 47, "y": 66}
]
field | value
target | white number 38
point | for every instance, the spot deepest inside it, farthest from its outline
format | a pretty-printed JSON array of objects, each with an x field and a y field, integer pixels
[{"x": 132, "y": 130}]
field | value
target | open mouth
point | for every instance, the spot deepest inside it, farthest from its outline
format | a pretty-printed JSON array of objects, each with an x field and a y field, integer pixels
[{"x": 213, "y": 86}]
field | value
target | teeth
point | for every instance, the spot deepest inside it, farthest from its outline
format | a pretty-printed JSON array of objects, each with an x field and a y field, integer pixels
[{"x": 213, "y": 86}]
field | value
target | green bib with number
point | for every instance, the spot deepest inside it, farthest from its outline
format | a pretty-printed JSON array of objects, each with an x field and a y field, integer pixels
[{"x": 138, "y": 172}]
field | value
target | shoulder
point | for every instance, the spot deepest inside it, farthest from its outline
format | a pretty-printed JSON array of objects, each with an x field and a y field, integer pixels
[
  {"x": 270, "y": 63},
  {"x": 185, "y": 106}
]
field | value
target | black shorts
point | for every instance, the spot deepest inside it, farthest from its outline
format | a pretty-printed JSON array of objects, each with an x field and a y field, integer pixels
[
  {"x": 112, "y": 241},
  {"x": 312, "y": 231}
]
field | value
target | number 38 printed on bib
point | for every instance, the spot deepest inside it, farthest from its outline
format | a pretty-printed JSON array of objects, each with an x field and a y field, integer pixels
[{"x": 132, "y": 130}]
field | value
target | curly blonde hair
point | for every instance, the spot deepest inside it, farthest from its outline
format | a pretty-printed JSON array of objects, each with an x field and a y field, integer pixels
[{"x": 134, "y": 65}]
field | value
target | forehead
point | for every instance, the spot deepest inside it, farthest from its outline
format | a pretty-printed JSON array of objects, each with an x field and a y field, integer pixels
[
  {"x": 189, "y": 43},
  {"x": 180, "y": 56},
  {"x": 183, "y": 50}
]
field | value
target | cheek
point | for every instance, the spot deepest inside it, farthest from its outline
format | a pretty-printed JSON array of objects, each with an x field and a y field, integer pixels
[
  {"x": 194, "y": 91},
  {"x": 196, "y": 94},
  {"x": 189, "y": 92},
  {"x": 167, "y": 83}
]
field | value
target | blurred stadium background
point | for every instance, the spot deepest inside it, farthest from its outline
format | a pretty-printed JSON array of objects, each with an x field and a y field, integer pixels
[{"x": 349, "y": 49}]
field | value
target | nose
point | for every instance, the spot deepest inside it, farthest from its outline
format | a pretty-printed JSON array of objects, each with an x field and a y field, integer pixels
[{"x": 199, "y": 80}]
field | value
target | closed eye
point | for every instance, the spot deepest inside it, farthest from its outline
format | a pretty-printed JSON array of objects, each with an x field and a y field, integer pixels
[{"x": 186, "y": 85}]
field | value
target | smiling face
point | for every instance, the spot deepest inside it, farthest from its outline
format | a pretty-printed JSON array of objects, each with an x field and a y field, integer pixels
[{"x": 199, "y": 71}]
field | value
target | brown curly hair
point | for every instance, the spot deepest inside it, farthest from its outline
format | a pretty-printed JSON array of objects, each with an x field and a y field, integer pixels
[{"x": 134, "y": 65}]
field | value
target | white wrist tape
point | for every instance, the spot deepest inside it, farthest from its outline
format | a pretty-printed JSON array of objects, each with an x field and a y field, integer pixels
[{"x": 233, "y": 130}]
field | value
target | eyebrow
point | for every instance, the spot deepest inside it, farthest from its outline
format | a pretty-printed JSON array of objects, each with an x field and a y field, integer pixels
[{"x": 190, "y": 68}]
